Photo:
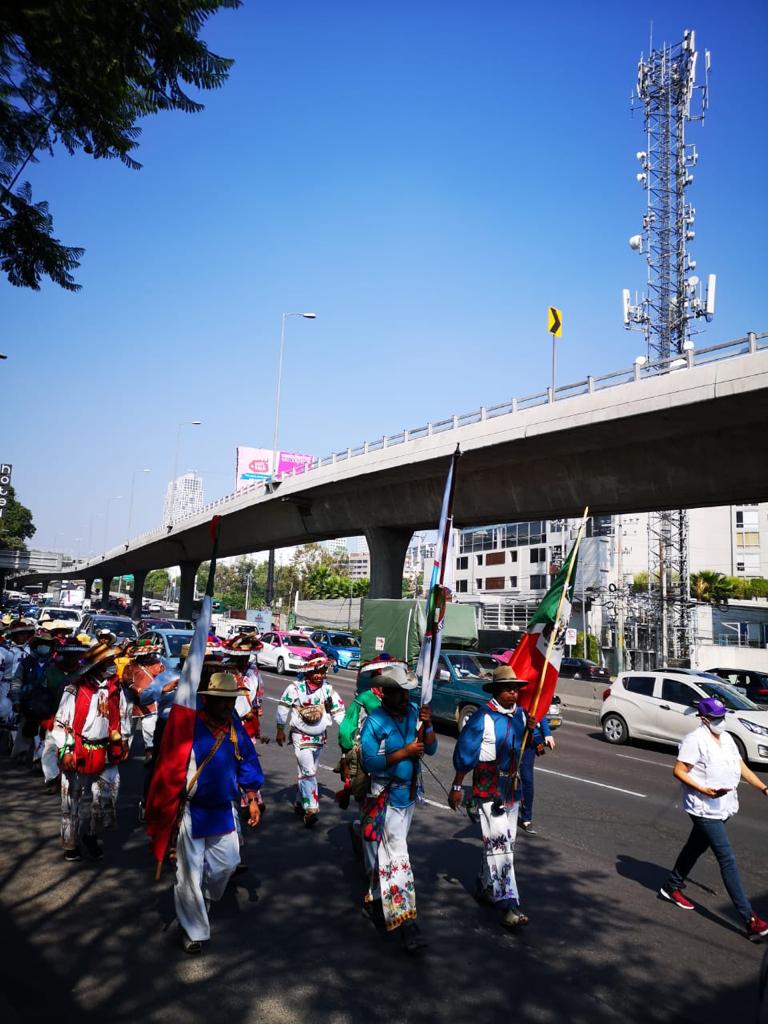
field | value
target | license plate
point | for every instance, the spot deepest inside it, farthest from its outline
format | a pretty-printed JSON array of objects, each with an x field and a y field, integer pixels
[{"x": 555, "y": 723}]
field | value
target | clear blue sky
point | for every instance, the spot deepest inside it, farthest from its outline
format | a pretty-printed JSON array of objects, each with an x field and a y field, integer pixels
[{"x": 427, "y": 177}]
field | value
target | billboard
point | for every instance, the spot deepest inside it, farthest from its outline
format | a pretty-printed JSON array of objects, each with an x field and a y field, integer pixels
[
  {"x": 5, "y": 483},
  {"x": 254, "y": 464}
]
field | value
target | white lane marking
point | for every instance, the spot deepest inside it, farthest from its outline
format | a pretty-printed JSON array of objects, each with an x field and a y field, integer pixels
[
  {"x": 579, "y": 725},
  {"x": 644, "y": 760},
  {"x": 591, "y": 782}
]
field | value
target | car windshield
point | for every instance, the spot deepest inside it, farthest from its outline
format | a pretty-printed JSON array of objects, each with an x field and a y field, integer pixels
[
  {"x": 733, "y": 700},
  {"x": 120, "y": 627},
  {"x": 176, "y": 641},
  {"x": 297, "y": 640},
  {"x": 474, "y": 666},
  {"x": 340, "y": 640}
]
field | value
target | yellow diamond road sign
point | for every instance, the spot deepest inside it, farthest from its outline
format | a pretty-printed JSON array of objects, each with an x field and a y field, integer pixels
[{"x": 555, "y": 321}]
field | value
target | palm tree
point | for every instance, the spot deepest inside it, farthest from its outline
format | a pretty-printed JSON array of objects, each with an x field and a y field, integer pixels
[{"x": 711, "y": 587}]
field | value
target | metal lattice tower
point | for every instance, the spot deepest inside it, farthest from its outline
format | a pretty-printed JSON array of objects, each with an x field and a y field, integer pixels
[{"x": 666, "y": 87}]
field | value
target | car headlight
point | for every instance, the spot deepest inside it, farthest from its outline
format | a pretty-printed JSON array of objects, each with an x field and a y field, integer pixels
[{"x": 759, "y": 730}]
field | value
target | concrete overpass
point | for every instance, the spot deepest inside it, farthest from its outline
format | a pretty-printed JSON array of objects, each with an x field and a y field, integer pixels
[{"x": 688, "y": 434}]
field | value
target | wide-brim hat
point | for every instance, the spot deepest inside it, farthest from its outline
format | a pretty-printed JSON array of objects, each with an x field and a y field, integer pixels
[
  {"x": 221, "y": 684},
  {"x": 143, "y": 648},
  {"x": 245, "y": 642},
  {"x": 396, "y": 676},
  {"x": 313, "y": 665},
  {"x": 501, "y": 677},
  {"x": 43, "y": 637},
  {"x": 95, "y": 656},
  {"x": 72, "y": 646},
  {"x": 59, "y": 625},
  {"x": 20, "y": 626}
]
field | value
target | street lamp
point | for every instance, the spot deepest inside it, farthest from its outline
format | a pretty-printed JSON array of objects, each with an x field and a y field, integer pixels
[
  {"x": 130, "y": 501},
  {"x": 172, "y": 510},
  {"x": 115, "y": 497},
  {"x": 270, "y": 586},
  {"x": 307, "y": 316}
]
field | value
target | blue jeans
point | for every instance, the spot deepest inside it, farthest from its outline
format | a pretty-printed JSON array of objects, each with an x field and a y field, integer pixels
[
  {"x": 526, "y": 782},
  {"x": 710, "y": 833}
]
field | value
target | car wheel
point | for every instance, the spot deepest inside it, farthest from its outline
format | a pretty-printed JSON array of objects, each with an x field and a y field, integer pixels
[
  {"x": 465, "y": 714},
  {"x": 740, "y": 747},
  {"x": 615, "y": 729},
  {"x": 281, "y": 666}
]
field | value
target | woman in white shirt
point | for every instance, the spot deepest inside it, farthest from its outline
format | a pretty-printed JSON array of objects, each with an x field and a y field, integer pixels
[{"x": 710, "y": 769}]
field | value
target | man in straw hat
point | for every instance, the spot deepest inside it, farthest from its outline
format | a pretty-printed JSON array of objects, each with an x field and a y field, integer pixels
[
  {"x": 91, "y": 731},
  {"x": 223, "y": 761},
  {"x": 489, "y": 747},
  {"x": 65, "y": 661},
  {"x": 391, "y": 752},
  {"x": 306, "y": 710},
  {"x": 143, "y": 665}
]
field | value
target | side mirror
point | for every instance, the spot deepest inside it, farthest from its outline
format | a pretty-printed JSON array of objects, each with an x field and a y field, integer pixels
[{"x": 444, "y": 675}]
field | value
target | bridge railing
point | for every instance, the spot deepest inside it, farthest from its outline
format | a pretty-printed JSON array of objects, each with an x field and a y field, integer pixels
[{"x": 640, "y": 370}]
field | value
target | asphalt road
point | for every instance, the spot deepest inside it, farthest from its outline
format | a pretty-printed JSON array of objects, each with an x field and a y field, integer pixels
[{"x": 89, "y": 942}]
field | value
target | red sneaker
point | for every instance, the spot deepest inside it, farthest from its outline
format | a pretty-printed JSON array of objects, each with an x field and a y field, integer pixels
[
  {"x": 676, "y": 897},
  {"x": 757, "y": 928}
]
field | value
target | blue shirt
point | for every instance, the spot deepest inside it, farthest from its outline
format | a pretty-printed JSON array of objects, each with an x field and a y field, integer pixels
[
  {"x": 153, "y": 694},
  {"x": 234, "y": 765},
  {"x": 499, "y": 744},
  {"x": 383, "y": 734}
]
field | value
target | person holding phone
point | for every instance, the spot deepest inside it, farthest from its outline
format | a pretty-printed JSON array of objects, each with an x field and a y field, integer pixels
[{"x": 709, "y": 768}]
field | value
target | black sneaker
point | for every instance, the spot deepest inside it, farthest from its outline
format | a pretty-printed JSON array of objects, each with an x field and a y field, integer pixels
[
  {"x": 72, "y": 855},
  {"x": 528, "y": 828},
  {"x": 93, "y": 847}
]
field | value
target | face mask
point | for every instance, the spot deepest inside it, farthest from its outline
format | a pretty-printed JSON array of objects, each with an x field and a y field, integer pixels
[
  {"x": 43, "y": 650},
  {"x": 717, "y": 727}
]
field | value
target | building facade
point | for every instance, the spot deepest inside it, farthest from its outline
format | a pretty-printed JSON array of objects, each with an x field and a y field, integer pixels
[{"x": 183, "y": 497}]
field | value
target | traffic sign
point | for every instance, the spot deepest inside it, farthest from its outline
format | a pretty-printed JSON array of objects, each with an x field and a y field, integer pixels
[
  {"x": 570, "y": 636},
  {"x": 555, "y": 321}
]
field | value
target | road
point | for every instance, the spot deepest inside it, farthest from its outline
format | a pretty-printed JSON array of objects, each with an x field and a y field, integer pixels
[{"x": 89, "y": 942}]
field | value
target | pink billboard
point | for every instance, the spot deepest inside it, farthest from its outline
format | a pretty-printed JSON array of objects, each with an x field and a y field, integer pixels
[{"x": 255, "y": 464}]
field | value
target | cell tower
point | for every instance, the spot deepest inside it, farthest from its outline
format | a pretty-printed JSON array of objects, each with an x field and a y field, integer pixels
[{"x": 666, "y": 87}]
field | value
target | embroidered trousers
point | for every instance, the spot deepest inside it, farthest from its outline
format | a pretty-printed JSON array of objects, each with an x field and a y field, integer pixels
[
  {"x": 389, "y": 868},
  {"x": 102, "y": 790},
  {"x": 497, "y": 873},
  {"x": 307, "y": 759}
]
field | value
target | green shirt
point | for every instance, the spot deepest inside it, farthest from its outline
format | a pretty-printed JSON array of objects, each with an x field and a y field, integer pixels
[{"x": 348, "y": 729}]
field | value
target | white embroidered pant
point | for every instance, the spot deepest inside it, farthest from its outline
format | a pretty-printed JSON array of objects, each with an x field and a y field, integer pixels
[
  {"x": 148, "y": 723},
  {"x": 307, "y": 759},
  {"x": 102, "y": 789},
  {"x": 203, "y": 868},
  {"x": 497, "y": 873},
  {"x": 389, "y": 866}
]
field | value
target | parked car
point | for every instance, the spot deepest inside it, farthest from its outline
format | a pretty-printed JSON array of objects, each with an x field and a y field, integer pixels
[
  {"x": 754, "y": 684},
  {"x": 661, "y": 706},
  {"x": 171, "y": 641},
  {"x": 458, "y": 690},
  {"x": 286, "y": 651},
  {"x": 581, "y": 668},
  {"x": 343, "y": 648},
  {"x": 121, "y": 626}
]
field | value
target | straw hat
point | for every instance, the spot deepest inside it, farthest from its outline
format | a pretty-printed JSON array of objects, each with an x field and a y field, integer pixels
[
  {"x": 59, "y": 626},
  {"x": 500, "y": 677},
  {"x": 20, "y": 626},
  {"x": 96, "y": 655},
  {"x": 221, "y": 684},
  {"x": 314, "y": 664}
]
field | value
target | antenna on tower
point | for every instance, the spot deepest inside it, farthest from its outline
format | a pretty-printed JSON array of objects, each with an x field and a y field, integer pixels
[{"x": 666, "y": 89}]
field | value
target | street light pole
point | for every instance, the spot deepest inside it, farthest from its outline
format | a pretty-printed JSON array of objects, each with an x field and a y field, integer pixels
[
  {"x": 270, "y": 587},
  {"x": 115, "y": 497},
  {"x": 130, "y": 501},
  {"x": 172, "y": 510}
]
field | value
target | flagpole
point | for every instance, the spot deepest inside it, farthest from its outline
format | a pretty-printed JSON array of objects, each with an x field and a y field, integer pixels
[{"x": 553, "y": 634}]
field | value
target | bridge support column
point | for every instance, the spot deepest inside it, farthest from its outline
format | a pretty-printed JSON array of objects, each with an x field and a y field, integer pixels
[
  {"x": 187, "y": 588},
  {"x": 106, "y": 587},
  {"x": 88, "y": 589},
  {"x": 387, "y": 546},
  {"x": 139, "y": 576}
]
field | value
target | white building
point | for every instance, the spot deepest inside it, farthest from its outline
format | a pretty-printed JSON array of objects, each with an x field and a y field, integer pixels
[{"x": 183, "y": 497}]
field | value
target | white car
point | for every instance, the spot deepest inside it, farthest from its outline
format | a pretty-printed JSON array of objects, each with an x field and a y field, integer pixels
[
  {"x": 661, "y": 706},
  {"x": 53, "y": 613},
  {"x": 287, "y": 650}
]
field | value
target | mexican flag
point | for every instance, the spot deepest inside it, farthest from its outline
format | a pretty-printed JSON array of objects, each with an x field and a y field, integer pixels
[
  {"x": 530, "y": 655},
  {"x": 169, "y": 779}
]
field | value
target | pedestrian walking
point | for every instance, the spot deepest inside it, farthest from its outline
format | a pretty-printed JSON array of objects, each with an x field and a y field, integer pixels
[
  {"x": 489, "y": 747},
  {"x": 538, "y": 743},
  {"x": 709, "y": 769},
  {"x": 391, "y": 753}
]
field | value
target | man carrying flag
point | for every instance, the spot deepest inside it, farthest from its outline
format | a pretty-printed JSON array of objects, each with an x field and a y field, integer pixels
[{"x": 205, "y": 756}]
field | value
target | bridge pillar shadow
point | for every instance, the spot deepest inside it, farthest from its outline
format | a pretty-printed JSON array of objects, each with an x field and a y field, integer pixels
[
  {"x": 187, "y": 588},
  {"x": 139, "y": 576},
  {"x": 387, "y": 546}
]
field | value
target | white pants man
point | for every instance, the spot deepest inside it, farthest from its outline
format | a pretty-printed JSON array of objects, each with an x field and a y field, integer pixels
[
  {"x": 203, "y": 868},
  {"x": 307, "y": 760},
  {"x": 102, "y": 790}
]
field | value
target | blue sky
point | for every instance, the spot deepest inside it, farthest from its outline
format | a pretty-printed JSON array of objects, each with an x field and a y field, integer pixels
[{"x": 427, "y": 177}]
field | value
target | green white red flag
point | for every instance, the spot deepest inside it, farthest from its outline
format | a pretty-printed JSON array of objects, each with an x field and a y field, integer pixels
[{"x": 529, "y": 657}]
